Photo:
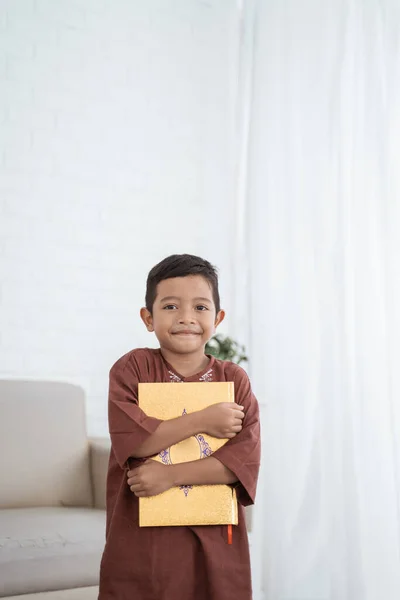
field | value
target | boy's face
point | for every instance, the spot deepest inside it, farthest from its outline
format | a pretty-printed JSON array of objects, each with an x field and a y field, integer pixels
[{"x": 184, "y": 316}]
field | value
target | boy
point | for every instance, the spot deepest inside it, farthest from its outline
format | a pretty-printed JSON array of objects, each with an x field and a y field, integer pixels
[{"x": 177, "y": 563}]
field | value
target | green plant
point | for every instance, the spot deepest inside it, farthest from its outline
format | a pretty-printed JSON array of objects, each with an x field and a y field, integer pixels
[{"x": 225, "y": 348}]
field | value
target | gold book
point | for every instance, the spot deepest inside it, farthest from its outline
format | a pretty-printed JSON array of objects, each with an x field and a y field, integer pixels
[{"x": 189, "y": 504}]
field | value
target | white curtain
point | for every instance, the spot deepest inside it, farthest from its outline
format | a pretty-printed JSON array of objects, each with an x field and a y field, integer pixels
[{"x": 319, "y": 252}]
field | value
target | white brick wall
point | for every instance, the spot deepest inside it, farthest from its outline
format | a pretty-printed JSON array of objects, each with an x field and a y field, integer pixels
[{"x": 116, "y": 121}]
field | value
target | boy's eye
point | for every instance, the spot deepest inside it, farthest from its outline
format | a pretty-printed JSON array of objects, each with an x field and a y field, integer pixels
[
  {"x": 201, "y": 307},
  {"x": 169, "y": 307}
]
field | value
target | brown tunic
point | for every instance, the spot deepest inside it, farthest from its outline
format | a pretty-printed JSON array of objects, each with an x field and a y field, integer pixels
[{"x": 173, "y": 563}]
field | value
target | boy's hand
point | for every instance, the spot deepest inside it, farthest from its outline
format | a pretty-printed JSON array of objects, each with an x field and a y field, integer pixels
[
  {"x": 222, "y": 420},
  {"x": 150, "y": 479}
]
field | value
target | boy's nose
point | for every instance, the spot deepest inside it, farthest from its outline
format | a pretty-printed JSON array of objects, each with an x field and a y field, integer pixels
[{"x": 185, "y": 319}]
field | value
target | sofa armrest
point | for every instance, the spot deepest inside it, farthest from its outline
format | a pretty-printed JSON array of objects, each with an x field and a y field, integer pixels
[{"x": 99, "y": 456}]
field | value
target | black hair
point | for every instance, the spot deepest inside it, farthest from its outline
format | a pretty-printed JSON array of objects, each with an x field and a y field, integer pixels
[{"x": 181, "y": 265}]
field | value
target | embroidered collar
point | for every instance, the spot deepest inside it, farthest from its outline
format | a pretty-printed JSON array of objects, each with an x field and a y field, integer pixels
[{"x": 174, "y": 378}]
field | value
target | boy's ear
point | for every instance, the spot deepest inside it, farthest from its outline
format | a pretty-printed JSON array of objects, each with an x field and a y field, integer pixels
[
  {"x": 219, "y": 318},
  {"x": 147, "y": 318}
]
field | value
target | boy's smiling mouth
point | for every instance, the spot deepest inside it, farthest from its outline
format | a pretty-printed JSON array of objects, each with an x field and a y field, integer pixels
[{"x": 186, "y": 332}]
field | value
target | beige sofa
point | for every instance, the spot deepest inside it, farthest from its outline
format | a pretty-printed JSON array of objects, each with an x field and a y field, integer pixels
[{"x": 52, "y": 493}]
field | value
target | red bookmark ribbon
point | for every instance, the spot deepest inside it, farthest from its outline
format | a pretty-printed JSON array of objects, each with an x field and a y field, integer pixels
[{"x": 229, "y": 534}]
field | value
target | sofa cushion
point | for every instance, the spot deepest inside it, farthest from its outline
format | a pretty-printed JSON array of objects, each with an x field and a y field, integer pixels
[
  {"x": 44, "y": 549},
  {"x": 44, "y": 451}
]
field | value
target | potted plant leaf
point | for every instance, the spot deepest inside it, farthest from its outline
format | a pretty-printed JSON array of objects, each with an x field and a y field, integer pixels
[{"x": 226, "y": 348}]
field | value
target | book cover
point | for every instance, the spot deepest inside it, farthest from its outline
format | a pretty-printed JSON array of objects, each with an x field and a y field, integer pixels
[{"x": 188, "y": 504}]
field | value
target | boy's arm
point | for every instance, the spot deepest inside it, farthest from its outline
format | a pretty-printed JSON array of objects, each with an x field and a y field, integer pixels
[
  {"x": 207, "y": 471},
  {"x": 152, "y": 478},
  {"x": 223, "y": 420},
  {"x": 135, "y": 435},
  {"x": 169, "y": 432}
]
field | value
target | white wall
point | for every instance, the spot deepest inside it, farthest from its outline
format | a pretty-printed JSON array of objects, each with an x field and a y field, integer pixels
[{"x": 116, "y": 149}]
